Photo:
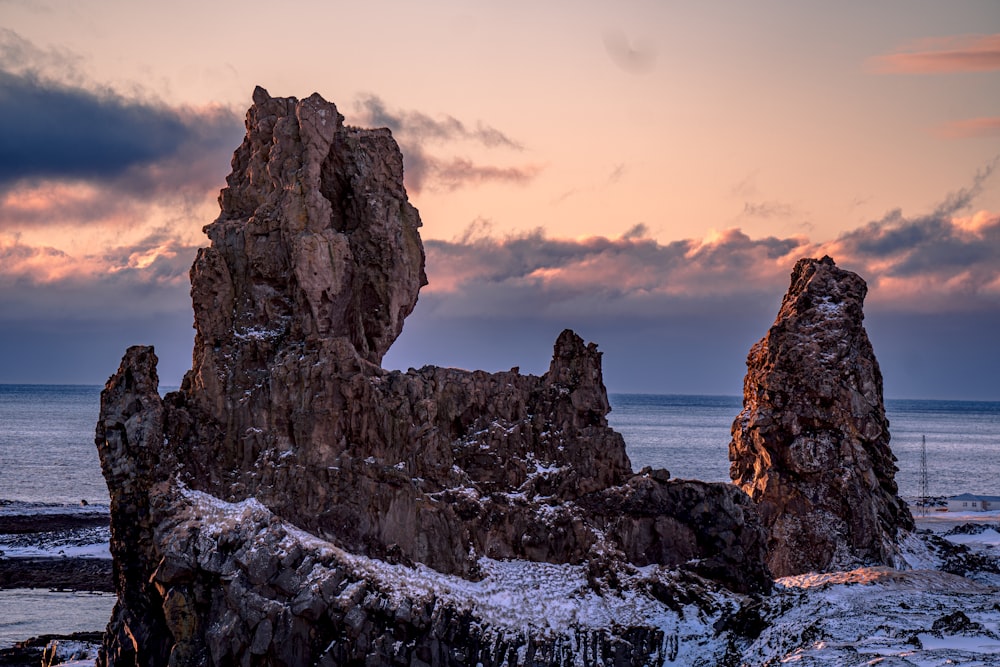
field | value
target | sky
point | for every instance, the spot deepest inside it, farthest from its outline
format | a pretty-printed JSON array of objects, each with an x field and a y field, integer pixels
[{"x": 645, "y": 173}]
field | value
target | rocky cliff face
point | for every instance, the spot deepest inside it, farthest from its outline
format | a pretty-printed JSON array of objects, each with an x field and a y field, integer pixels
[
  {"x": 811, "y": 446},
  {"x": 294, "y": 503}
]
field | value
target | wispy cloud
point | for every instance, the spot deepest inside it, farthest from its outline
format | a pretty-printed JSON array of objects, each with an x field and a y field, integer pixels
[
  {"x": 632, "y": 55},
  {"x": 416, "y": 132},
  {"x": 767, "y": 209},
  {"x": 420, "y": 126},
  {"x": 959, "y": 53},
  {"x": 460, "y": 171},
  {"x": 986, "y": 126}
]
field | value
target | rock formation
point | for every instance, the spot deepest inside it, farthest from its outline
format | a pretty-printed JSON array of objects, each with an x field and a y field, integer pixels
[
  {"x": 295, "y": 503},
  {"x": 811, "y": 446}
]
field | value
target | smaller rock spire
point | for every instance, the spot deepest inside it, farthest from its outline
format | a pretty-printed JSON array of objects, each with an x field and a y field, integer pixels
[{"x": 811, "y": 446}]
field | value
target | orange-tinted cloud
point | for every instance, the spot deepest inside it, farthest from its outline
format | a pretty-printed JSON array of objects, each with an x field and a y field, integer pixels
[
  {"x": 942, "y": 261},
  {"x": 960, "y": 53},
  {"x": 987, "y": 126}
]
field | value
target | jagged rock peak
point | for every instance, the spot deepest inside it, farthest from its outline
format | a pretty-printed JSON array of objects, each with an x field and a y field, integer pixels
[
  {"x": 316, "y": 239},
  {"x": 811, "y": 445}
]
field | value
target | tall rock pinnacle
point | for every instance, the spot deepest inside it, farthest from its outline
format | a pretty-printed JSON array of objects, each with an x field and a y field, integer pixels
[{"x": 811, "y": 446}]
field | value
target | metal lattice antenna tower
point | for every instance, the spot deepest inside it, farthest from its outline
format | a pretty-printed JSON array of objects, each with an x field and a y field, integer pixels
[{"x": 924, "y": 495}]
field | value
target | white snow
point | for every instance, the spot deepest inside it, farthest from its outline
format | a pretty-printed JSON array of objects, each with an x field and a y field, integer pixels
[
  {"x": 512, "y": 596},
  {"x": 988, "y": 537},
  {"x": 867, "y": 616},
  {"x": 99, "y": 550},
  {"x": 959, "y": 643}
]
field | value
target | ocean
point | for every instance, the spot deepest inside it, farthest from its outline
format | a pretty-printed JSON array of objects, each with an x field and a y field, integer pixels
[
  {"x": 689, "y": 436},
  {"x": 48, "y": 463}
]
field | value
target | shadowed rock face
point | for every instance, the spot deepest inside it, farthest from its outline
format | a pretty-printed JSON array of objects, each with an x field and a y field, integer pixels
[
  {"x": 315, "y": 261},
  {"x": 811, "y": 446}
]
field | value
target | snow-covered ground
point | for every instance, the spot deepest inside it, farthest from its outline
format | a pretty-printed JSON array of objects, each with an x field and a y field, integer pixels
[
  {"x": 79, "y": 543},
  {"x": 918, "y": 616},
  {"x": 53, "y": 530}
]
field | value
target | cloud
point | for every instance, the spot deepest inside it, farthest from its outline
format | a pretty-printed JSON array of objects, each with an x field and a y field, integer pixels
[
  {"x": 420, "y": 126},
  {"x": 533, "y": 274},
  {"x": 86, "y": 156},
  {"x": 459, "y": 172},
  {"x": 416, "y": 131},
  {"x": 43, "y": 283},
  {"x": 947, "y": 259},
  {"x": 937, "y": 262},
  {"x": 959, "y": 53},
  {"x": 66, "y": 133},
  {"x": 635, "y": 57},
  {"x": 987, "y": 126},
  {"x": 22, "y": 57},
  {"x": 679, "y": 317},
  {"x": 767, "y": 209}
]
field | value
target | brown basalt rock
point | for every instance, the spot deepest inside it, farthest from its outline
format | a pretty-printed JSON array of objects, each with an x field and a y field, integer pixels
[
  {"x": 315, "y": 260},
  {"x": 811, "y": 446}
]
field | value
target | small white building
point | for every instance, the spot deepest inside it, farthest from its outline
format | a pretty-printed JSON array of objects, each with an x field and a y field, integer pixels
[{"x": 968, "y": 502}]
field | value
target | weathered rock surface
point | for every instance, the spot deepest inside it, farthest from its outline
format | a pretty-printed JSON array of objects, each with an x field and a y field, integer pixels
[
  {"x": 811, "y": 446},
  {"x": 257, "y": 511}
]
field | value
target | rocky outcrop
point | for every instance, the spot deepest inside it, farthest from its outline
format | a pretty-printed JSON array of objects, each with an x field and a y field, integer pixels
[
  {"x": 811, "y": 446},
  {"x": 295, "y": 503}
]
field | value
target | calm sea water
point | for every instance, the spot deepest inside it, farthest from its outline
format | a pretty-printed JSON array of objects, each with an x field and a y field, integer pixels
[
  {"x": 689, "y": 436},
  {"x": 47, "y": 452},
  {"x": 48, "y": 459}
]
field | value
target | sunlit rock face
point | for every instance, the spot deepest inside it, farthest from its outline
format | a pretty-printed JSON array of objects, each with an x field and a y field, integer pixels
[
  {"x": 811, "y": 446},
  {"x": 325, "y": 468}
]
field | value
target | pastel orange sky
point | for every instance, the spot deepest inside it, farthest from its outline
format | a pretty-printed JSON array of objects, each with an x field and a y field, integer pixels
[{"x": 667, "y": 151}]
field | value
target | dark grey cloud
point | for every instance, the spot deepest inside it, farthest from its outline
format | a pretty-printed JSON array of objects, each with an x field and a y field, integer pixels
[
  {"x": 936, "y": 244},
  {"x": 416, "y": 132},
  {"x": 131, "y": 152},
  {"x": 74, "y": 329},
  {"x": 67, "y": 133},
  {"x": 548, "y": 277},
  {"x": 39, "y": 283}
]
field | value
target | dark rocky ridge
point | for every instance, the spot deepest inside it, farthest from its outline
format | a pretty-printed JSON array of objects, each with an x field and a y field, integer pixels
[
  {"x": 811, "y": 445},
  {"x": 314, "y": 263}
]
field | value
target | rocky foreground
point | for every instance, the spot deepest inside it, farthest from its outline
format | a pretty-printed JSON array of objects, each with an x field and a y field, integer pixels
[{"x": 294, "y": 503}]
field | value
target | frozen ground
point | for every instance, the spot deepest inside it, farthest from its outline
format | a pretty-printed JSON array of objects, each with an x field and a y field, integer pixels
[
  {"x": 79, "y": 543},
  {"x": 31, "y": 530},
  {"x": 919, "y": 616}
]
